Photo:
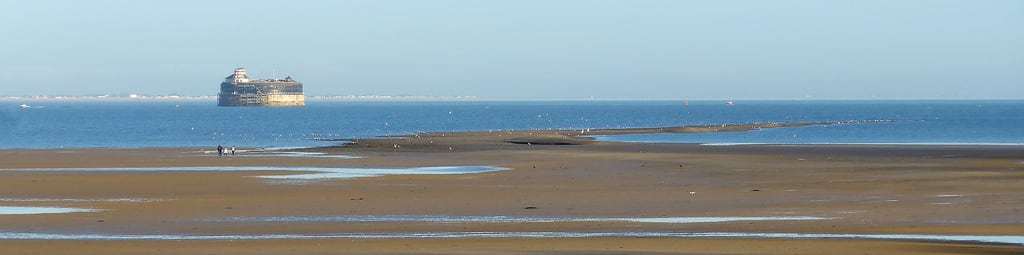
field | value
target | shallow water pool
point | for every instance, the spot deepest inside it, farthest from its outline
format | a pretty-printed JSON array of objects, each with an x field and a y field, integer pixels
[{"x": 22, "y": 210}]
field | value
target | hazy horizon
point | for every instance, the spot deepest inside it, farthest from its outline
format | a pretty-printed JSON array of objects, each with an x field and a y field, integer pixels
[{"x": 522, "y": 50}]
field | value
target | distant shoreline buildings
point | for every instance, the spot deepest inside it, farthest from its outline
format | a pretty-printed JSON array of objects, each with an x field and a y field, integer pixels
[
  {"x": 143, "y": 97},
  {"x": 127, "y": 97}
]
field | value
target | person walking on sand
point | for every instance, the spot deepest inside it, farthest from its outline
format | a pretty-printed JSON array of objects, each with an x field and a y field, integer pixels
[
  {"x": 220, "y": 150},
  {"x": 232, "y": 150}
]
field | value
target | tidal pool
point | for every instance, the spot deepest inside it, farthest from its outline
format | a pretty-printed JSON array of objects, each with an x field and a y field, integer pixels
[
  {"x": 502, "y": 219},
  {"x": 296, "y": 154},
  {"x": 1003, "y": 239},
  {"x": 22, "y": 210},
  {"x": 319, "y": 172},
  {"x": 335, "y": 173}
]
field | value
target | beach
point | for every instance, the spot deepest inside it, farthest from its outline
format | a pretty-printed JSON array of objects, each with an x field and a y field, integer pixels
[{"x": 575, "y": 195}]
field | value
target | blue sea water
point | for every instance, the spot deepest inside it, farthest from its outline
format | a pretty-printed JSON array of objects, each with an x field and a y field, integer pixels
[{"x": 60, "y": 124}]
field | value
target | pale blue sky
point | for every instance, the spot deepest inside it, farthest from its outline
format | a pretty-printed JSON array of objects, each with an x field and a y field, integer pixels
[{"x": 546, "y": 49}]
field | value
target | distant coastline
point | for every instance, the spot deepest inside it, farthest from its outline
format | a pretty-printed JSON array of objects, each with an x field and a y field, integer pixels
[
  {"x": 173, "y": 97},
  {"x": 140, "y": 97}
]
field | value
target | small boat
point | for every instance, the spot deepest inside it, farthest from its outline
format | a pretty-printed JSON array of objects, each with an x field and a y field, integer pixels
[
  {"x": 730, "y": 103},
  {"x": 24, "y": 106}
]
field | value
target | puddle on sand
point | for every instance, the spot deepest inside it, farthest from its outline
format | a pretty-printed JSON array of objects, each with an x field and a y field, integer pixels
[
  {"x": 321, "y": 172},
  {"x": 178, "y": 169},
  {"x": 501, "y": 219},
  {"x": 341, "y": 173},
  {"x": 1014, "y": 240},
  {"x": 24, "y": 210},
  {"x": 296, "y": 154},
  {"x": 276, "y": 152},
  {"x": 711, "y": 219}
]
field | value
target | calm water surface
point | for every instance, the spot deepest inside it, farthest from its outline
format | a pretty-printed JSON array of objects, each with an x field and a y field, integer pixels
[{"x": 52, "y": 124}]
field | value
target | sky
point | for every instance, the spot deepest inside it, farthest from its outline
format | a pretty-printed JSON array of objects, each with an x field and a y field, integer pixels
[{"x": 523, "y": 49}]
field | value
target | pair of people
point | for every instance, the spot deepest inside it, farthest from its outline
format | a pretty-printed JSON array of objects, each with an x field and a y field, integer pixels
[{"x": 220, "y": 150}]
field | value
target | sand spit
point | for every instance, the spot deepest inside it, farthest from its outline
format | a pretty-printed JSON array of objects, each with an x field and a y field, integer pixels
[{"x": 451, "y": 141}]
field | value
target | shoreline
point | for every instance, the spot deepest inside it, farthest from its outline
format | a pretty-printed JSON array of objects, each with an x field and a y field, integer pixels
[
  {"x": 581, "y": 136},
  {"x": 853, "y": 189}
]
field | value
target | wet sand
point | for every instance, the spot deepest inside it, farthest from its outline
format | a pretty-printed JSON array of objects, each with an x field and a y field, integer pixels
[{"x": 857, "y": 189}]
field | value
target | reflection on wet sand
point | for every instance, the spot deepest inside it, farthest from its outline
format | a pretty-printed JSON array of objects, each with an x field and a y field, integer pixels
[
  {"x": 22, "y": 210},
  {"x": 321, "y": 172},
  {"x": 1005, "y": 239},
  {"x": 502, "y": 219}
]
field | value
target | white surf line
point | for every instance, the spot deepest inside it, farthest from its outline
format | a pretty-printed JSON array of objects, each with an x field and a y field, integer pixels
[
  {"x": 998, "y": 239},
  {"x": 25, "y": 210}
]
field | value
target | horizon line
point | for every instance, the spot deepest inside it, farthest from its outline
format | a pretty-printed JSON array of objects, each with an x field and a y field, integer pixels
[{"x": 173, "y": 97}]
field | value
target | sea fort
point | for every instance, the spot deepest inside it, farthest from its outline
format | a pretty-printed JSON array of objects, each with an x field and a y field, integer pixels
[{"x": 238, "y": 90}]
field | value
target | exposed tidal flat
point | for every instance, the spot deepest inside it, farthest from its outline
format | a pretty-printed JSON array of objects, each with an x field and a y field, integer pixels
[
  {"x": 515, "y": 178},
  {"x": 521, "y": 192}
]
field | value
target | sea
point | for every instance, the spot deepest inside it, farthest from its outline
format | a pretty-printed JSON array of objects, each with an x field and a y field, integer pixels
[{"x": 151, "y": 124}]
